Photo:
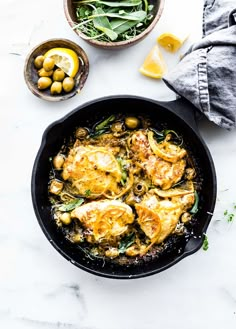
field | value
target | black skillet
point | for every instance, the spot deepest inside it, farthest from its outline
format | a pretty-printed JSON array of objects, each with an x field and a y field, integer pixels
[{"x": 178, "y": 115}]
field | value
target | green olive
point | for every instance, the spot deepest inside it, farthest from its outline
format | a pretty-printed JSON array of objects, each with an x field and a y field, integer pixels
[
  {"x": 140, "y": 188},
  {"x": 38, "y": 62},
  {"x": 131, "y": 122},
  {"x": 68, "y": 84},
  {"x": 48, "y": 64},
  {"x": 81, "y": 133},
  {"x": 56, "y": 88},
  {"x": 58, "y": 75},
  {"x": 44, "y": 82},
  {"x": 43, "y": 73}
]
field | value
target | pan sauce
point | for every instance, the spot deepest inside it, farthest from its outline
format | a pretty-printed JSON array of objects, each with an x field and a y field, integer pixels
[{"x": 122, "y": 188}]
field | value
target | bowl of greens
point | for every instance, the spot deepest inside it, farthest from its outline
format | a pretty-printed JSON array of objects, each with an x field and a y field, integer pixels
[{"x": 113, "y": 24}]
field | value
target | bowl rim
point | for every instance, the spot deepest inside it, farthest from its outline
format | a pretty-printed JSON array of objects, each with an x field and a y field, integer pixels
[
  {"x": 55, "y": 98},
  {"x": 118, "y": 44}
]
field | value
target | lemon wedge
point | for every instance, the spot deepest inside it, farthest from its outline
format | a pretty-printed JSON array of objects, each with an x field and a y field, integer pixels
[
  {"x": 154, "y": 65},
  {"x": 171, "y": 42},
  {"x": 66, "y": 59}
]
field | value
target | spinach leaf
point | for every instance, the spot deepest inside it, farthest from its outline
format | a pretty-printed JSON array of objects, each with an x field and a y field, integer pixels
[
  {"x": 194, "y": 209},
  {"x": 101, "y": 23},
  {"x": 126, "y": 242},
  {"x": 125, "y": 3},
  {"x": 120, "y": 25},
  {"x": 134, "y": 16},
  {"x": 71, "y": 205},
  {"x": 105, "y": 123}
]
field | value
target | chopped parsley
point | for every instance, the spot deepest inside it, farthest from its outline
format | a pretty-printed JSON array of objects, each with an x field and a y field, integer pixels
[{"x": 205, "y": 244}]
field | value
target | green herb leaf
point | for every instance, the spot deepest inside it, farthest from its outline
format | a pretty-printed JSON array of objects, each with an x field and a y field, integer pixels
[
  {"x": 121, "y": 26},
  {"x": 102, "y": 23},
  {"x": 230, "y": 218},
  {"x": 134, "y": 16},
  {"x": 87, "y": 193},
  {"x": 194, "y": 209},
  {"x": 130, "y": 3},
  {"x": 71, "y": 205},
  {"x": 105, "y": 123},
  {"x": 225, "y": 212},
  {"x": 123, "y": 171},
  {"x": 205, "y": 244},
  {"x": 126, "y": 242}
]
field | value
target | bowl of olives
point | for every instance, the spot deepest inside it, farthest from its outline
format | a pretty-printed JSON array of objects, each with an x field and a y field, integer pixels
[{"x": 56, "y": 69}]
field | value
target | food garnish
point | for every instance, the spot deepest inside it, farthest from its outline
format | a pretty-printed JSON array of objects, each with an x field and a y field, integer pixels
[
  {"x": 121, "y": 189},
  {"x": 113, "y": 20},
  {"x": 154, "y": 65},
  {"x": 64, "y": 58},
  {"x": 171, "y": 42},
  {"x": 205, "y": 244}
]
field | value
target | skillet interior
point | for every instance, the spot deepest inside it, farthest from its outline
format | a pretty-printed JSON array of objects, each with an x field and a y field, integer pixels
[{"x": 87, "y": 115}]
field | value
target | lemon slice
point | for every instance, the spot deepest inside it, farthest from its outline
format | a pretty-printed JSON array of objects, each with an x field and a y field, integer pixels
[
  {"x": 66, "y": 59},
  {"x": 171, "y": 42},
  {"x": 154, "y": 65}
]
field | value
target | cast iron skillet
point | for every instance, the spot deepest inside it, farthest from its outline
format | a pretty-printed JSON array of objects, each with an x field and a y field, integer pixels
[{"x": 178, "y": 115}]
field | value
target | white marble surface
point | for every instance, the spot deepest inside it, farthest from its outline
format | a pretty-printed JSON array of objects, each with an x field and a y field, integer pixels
[{"x": 39, "y": 288}]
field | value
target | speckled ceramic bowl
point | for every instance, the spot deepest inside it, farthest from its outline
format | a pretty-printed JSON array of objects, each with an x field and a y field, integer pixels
[
  {"x": 70, "y": 13},
  {"x": 31, "y": 73}
]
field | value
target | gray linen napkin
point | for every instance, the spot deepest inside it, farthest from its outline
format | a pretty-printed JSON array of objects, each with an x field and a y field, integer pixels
[{"x": 206, "y": 75}]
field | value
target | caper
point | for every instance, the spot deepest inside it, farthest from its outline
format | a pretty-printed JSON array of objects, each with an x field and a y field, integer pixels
[
  {"x": 81, "y": 133},
  {"x": 43, "y": 73},
  {"x": 44, "y": 82},
  {"x": 65, "y": 218},
  {"x": 48, "y": 64},
  {"x": 68, "y": 84},
  {"x": 131, "y": 122},
  {"x": 56, "y": 88},
  {"x": 58, "y": 161},
  {"x": 186, "y": 217},
  {"x": 58, "y": 75},
  {"x": 38, "y": 62}
]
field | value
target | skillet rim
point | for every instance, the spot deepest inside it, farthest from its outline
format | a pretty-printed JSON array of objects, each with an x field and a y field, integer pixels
[{"x": 198, "y": 241}]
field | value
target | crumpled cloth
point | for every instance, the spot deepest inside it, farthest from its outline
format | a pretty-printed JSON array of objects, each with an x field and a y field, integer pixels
[{"x": 206, "y": 75}]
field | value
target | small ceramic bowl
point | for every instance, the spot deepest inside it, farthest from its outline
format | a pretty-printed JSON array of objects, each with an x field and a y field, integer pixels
[
  {"x": 70, "y": 13},
  {"x": 31, "y": 73}
]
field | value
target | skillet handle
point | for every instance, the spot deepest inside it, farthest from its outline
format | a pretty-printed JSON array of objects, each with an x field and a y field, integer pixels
[{"x": 185, "y": 110}]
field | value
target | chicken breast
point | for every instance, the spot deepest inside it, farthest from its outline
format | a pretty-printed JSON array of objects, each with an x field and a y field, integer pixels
[
  {"x": 165, "y": 168},
  {"x": 92, "y": 168},
  {"x": 104, "y": 219},
  {"x": 167, "y": 210}
]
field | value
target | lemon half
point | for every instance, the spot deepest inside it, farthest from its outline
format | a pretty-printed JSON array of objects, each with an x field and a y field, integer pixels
[
  {"x": 66, "y": 59},
  {"x": 154, "y": 65}
]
